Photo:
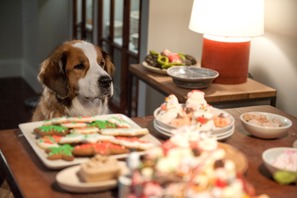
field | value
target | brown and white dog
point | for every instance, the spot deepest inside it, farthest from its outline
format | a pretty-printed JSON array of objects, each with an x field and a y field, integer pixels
[{"x": 77, "y": 81}]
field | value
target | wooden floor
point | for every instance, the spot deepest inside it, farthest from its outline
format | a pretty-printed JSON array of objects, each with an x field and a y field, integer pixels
[{"x": 13, "y": 94}]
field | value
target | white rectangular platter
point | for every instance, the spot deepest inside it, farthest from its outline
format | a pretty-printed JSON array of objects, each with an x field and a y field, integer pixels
[{"x": 27, "y": 130}]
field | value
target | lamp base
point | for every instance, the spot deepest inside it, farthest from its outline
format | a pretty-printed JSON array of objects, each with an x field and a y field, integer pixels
[{"x": 230, "y": 59}]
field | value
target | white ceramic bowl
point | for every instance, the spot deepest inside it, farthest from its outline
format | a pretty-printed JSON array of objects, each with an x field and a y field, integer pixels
[
  {"x": 192, "y": 77},
  {"x": 267, "y": 132},
  {"x": 270, "y": 155}
]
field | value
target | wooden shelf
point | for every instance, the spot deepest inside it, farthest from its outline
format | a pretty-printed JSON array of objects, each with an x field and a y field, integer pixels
[{"x": 216, "y": 94}]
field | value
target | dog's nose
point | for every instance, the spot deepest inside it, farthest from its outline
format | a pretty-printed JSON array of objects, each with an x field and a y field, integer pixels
[{"x": 105, "y": 81}]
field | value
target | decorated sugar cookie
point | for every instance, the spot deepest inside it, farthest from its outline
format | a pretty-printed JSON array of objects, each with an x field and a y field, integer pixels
[
  {"x": 61, "y": 152},
  {"x": 133, "y": 143},
  {"x": 87, "y": 119},
  {"x": 71, "y": 139},
  {"x": 46, "y": 130},
  {"x": 55, "y": 121},
  {"x": 121, "y": 123},
  {"x": 103, "y": 148},
  {"x": 102, "y": 124},
  {"x": 74, "y": 124},
  {"x": 49, "y": 141},
  {"x": 84, "y": 138},
  {"x": 84, "y": 130},
  {"x": 124, "y": 131}
]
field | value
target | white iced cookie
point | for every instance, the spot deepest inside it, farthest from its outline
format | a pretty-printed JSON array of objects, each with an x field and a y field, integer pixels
[{"x": 84, "y": 130}]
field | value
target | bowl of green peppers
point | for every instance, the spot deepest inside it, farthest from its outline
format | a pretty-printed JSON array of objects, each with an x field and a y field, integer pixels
[{"x": 160, "y": 62}]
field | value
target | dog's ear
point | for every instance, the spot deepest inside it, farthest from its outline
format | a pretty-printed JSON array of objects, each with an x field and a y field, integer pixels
[
  {"x": 52, "y": 73},
  {"x": 109, "y": 66}
]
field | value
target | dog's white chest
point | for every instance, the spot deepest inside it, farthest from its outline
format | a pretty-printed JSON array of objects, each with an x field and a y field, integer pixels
[{"x": 81, "y": 107}]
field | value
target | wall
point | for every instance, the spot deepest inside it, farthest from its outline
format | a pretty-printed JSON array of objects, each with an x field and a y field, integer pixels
[
  {"x": 30, "y": 30},
  {"x": 46, "y": 24},
  {"x": 11, "y": 40},
  {"x": 273, "y": 59},
  {"x": 167, "y": 29}
]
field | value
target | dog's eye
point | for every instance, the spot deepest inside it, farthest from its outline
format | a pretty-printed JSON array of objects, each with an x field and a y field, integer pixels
[
  {"x": 102, "y": 63},
  {"x": 79, "y": 66}
]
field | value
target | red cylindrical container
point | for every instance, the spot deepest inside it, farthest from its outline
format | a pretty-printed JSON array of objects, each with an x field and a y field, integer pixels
[{"x": 230, "y": 59}]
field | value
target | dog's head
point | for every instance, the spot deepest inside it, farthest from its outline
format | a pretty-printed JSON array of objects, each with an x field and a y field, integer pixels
[{"x": 78, "y": 69}]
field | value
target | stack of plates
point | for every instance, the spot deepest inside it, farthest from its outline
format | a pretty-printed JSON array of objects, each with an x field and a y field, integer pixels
[
  {"x": 220, "y": 133},
  {"x": 134, "y": 22}
]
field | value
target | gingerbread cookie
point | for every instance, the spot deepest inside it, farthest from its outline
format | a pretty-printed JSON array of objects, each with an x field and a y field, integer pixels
[
  {"x": 61, "y": 152},
  {"x": 46, "y": 130},
  {"x": 103, "y": 148}
]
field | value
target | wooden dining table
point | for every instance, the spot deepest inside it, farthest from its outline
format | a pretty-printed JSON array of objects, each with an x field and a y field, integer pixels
[{"x": 28, "y": 177}]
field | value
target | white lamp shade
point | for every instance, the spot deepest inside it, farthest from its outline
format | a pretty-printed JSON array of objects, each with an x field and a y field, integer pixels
[{"x": 228, "y": 18}]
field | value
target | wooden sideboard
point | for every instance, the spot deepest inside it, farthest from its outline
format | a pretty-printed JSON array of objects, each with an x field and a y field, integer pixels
[{"x": 215, "y": 94}]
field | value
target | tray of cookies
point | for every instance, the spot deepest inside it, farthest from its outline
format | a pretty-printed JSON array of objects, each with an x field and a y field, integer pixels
[{"x": 66, "y": 141}]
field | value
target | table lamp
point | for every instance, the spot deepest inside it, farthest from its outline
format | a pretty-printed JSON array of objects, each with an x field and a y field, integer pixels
[{"x": 227, "y": 27}]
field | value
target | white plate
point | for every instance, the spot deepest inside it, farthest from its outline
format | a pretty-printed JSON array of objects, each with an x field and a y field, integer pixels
[
  {"x": 161, "y": 131},
  {"x": 215, "y": 111},
  {"x": 223, "y": 133},
  {"x": 223, "y": 137},
  {"x": 154, "y": 69},
  {"x": 160, "y": 127},
  {"x": 27, "y": 130},
  {"x": 219, "y": 136},
  {"x": 170, "y": 132},
  {"x": 69, "y": 181}
]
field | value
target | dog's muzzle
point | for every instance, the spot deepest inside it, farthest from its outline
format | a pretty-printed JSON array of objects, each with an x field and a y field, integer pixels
[{"x": 105, "y": 82}]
